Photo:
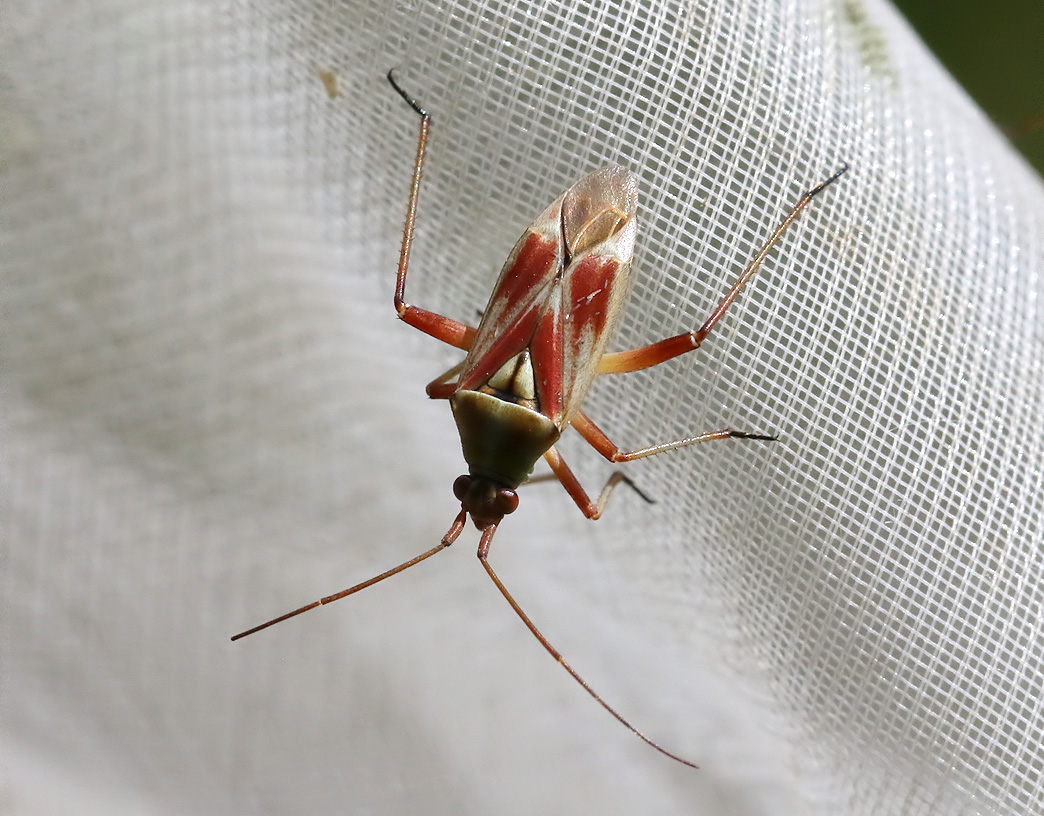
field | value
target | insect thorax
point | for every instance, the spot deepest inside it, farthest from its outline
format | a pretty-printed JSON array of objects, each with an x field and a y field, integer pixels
[{"x": 502, "y": 440}]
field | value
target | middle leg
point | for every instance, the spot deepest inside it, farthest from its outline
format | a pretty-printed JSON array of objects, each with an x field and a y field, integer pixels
[
  {"x": 597, "y": 438},
  {"x": 591, "y": 509}
]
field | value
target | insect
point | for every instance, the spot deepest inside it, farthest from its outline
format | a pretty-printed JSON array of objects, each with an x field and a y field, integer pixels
[{"x": 529, "y": 364}]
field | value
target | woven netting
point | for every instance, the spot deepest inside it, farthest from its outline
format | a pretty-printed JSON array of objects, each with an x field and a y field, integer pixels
[{"x": 211, "y": 416}]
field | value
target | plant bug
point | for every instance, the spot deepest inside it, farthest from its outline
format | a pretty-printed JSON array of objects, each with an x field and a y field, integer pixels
[{"x": 530, "y": 362}]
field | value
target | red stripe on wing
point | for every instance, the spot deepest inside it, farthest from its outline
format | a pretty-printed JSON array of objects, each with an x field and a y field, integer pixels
[
  {"x": 526, "y": 276},
  {"x": 513, "y": 311},
  {"x": 504, "y": 346},
  {"x": 590, "y": 291},
  {"x": 572, "y": 334},
  {"x": 546, "y": 351}
]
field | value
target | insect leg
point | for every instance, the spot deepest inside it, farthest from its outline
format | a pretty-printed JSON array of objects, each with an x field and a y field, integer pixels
[
  {"x": 540, "y": 477},
  {"x": 597, "y": 438},
  {"x": 483, "y": 552},
  {"x": 441, "y": 328},
  {"x": 593, "y": 510},
  {"x": 443, "y": 386},
  {"x": 621, "y": 362}
]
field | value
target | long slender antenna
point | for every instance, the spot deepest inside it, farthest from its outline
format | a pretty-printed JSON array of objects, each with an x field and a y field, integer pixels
[
  {"x": 483, "y": 552},
  {"x": 447, "y": 539}
]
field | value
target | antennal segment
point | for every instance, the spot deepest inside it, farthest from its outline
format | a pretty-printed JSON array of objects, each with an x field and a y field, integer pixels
[
  {"x": 447, "y": 539},
  {"x": 483, "y": 552}
]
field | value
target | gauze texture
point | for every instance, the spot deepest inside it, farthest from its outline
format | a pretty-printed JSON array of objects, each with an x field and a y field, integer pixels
[{"x": 211, "y": 416}]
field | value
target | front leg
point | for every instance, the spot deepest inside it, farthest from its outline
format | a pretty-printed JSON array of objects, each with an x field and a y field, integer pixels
[{"x": 443, "y": 386}]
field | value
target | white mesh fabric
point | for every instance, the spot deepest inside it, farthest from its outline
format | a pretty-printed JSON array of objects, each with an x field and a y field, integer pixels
[{"x": 211, "y": 416}]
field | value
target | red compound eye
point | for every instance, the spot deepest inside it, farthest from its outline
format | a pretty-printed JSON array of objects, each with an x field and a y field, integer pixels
[
  {"x": 460, "y": 487},
  {"x": 507, "y": 501}
]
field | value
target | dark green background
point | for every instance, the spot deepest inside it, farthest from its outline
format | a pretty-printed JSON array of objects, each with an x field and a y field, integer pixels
[{"x": 996, "y": 51}]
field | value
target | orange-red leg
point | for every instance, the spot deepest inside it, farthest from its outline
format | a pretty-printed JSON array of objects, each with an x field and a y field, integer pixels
[
  {"x": 442, "y": 328},
  {"x": 591, "y": 509},
  {"x": 443, "y": 386},
  {"x": 597, "y": 438},
  {"x": 621, "y": 362}
]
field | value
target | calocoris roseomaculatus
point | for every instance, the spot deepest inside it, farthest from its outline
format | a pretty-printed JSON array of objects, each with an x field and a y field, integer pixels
[{"x": 530, "y": 362}]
